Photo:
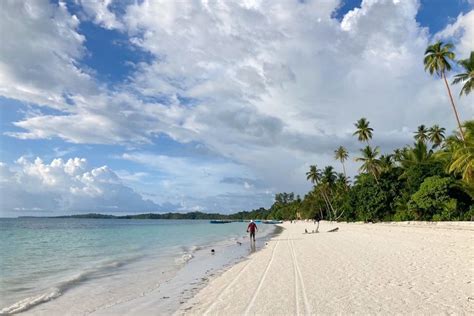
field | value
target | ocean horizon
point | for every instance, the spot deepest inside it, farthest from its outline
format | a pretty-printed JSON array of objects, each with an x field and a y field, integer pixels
[{"x": 47, "y": 260}]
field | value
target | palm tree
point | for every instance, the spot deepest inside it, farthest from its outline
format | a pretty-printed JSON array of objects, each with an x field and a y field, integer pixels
[
  {"x": 419, "y": 153},
  {"x": 436, "y": 135},
  {"x": 342, "y": 181},
  {"x": 399, "y": 154},
  {"x": 385, "y": 162},
  {"x": 363, "y": 131},
  {"x": 341, "y": 154},
  {"x": 436, "y": 60},
  {"x": 421, "y": 134},
  {"x": 462, "y": 157},
  {"x": 313, "y": 175},
  {"x": 370, "y": 163},
  {"x": 329, "y": 175},
  {"x": 468, "y": 76}
]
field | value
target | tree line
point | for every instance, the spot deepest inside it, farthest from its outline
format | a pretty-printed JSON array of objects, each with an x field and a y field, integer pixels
[{"x": 432, "y": 179}]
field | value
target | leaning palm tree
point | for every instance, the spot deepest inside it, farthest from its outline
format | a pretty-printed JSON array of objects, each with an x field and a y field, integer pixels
[
  {"x": 468, "y": 76},
  {"x": 370, "y": 163},
  {"x": 421, "y": 134},
  {"x": 315, "y": 176},
  {"x": 363, "y": 131},
  {"x": 436, "y": 60},
  {"x": 436, "y": 135},
  {"x": 341, "y": 154}
]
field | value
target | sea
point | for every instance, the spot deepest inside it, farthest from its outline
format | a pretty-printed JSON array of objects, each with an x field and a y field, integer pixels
[{"x": 81, "y": 266}]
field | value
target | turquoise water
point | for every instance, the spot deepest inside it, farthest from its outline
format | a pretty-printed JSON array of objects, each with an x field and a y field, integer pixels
[{"x": 42, "y": 258}]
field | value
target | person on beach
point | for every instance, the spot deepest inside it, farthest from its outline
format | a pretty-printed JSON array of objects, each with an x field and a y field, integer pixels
[
  {"x": 252, "y": 228},
  {"x": 317, "y": 218}
]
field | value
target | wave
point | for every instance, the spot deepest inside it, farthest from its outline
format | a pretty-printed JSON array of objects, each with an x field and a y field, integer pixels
[
  {"x": 184, "y": 258},
  {"x": 29, "y": 302},
  {"x": 62, "y": 287}
]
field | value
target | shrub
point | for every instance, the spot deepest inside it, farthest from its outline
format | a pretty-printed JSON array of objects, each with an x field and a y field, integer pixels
[{"x": 439, "y": 198}]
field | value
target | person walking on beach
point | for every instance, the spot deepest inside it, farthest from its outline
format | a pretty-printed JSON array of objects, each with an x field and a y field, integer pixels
[{"x": 252, "y": 228}]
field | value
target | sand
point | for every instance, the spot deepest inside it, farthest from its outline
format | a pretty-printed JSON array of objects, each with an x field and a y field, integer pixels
[{"x": 404, "y": 268}]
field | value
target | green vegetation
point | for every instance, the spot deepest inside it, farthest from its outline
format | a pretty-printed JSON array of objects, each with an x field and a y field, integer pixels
[
  {"x": 430, "y": 180},
  {"x": 433, "y": 179}
]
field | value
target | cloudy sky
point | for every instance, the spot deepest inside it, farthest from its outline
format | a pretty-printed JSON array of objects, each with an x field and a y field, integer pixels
[{"x": 135, "y": 106}]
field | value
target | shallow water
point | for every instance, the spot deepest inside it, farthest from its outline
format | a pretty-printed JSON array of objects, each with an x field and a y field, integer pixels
[{"x": 44, "y": 259}]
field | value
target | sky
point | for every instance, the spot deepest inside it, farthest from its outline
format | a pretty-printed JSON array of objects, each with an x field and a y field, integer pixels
[{"x": 122, "y": 107}]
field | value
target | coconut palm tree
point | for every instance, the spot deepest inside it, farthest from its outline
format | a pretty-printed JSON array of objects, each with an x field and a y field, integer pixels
[
  {"x": 313, "y": 175},
  {"x": 421, "y": 134},
  {"x": 328, "y": 175},
  {"x": 462, "y": 157},
  {"x": 370, "y": 163},
  {"x": 342, "y": 180},
  {"x": 385, "y": 162},
  {"x": 341, "y": 154},
  {"x": 436, "y": 135},
  {"x": 363, "y": 131},
  {"x": 436, "y": 60},
  {"x": 399, "y": 154},
  {"x": 418, "y": 154},
  {"x": 468, "y": 76}
]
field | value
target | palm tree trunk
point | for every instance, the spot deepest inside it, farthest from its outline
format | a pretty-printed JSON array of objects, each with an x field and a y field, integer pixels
[
  {"x": 376, "y": 180},
  {"x": 327, "y": 205},
  {"x": 454, "y": 107},
  {"x": 330, "y": 206},
  {"x": 344, "y": 168}
]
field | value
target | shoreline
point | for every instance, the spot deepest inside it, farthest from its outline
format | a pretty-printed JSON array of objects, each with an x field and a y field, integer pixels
[
  {"x": 169, "y": 298},
  {"x": 395, "y": 267},
  {"x": 173, "y": 287}
]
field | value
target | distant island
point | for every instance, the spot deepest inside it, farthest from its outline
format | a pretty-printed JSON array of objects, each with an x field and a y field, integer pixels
[{"x": 260, "y": 213}]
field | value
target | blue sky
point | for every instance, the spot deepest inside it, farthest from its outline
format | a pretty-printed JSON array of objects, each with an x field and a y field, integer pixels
[{"x": 179, "y": 106}]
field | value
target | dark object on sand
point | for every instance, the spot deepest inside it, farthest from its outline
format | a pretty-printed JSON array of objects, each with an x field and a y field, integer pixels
[
  {"x": 333, "y": 230},
  {"x": 212, "y": 251},
  {"x": 239, "y": 243}
]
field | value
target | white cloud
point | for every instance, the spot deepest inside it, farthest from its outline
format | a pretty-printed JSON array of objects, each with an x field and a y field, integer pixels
[
  {"x": 65, "y": 186},
  {"x": 462, "y": 32},
  {"x": 39, "y": 53},
  {"x": 181, "y": 178},
  {"x": 99, "y": 11}
]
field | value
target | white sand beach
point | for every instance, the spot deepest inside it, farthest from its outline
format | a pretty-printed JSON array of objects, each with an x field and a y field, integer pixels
[{"x": 404, "y": 268}]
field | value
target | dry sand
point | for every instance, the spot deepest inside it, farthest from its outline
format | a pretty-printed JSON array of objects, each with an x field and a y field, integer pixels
[{"x": 402, "y": 268}]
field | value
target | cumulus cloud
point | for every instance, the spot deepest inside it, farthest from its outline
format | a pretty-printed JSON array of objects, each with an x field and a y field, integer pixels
[
  {"x": 270, "y": 85},
  {"x": 65, "y": 186},
  {"x": 462, "y": 31}
]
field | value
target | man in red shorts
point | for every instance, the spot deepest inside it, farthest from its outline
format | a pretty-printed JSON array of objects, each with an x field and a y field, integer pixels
[{"x": 252, "y": 228}]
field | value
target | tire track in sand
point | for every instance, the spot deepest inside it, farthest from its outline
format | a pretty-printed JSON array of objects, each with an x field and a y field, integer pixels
[
  {"x": 259, "y": 287},
  {"x": 295, "y": 271},
  {"x": 300, "y": 277},
  {"x": 218, "y": 299}
]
